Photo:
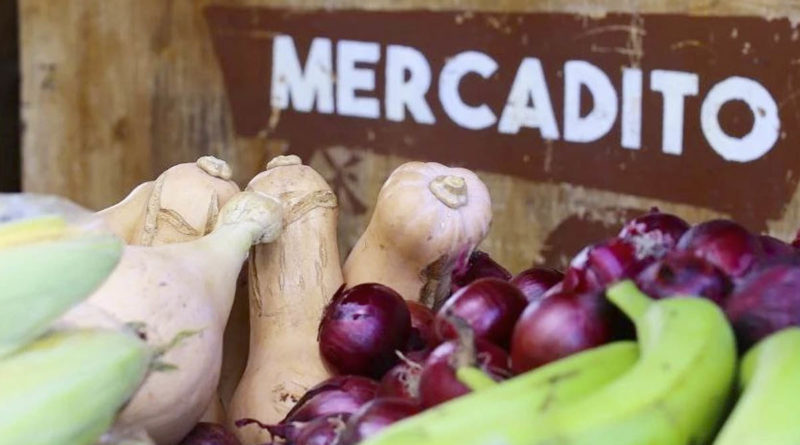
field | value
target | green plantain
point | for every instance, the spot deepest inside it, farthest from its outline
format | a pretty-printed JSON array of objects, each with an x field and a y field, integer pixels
[
  {"x": 677, "y": 392},
  {"x": 522, "y": 398},
  {"x": 766, "y": 413},
  {"x": 674, "y": 395}
]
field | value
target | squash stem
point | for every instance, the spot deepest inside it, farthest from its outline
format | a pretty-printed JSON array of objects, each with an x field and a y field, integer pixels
[
  {"x": 283, "y": 160},
  {"x": 450, "y": 190},
  {"x": 215, "y": 167}
]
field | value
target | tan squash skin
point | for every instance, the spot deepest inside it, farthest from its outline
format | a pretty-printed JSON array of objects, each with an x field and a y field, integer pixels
[
  {"x": 215, "y": 413},
  {"x": 237, "y": 342},
  {"x": 291, "y": 282},
  {"x": 182, "y": 204},
  {"x": 185, "y": 287},
  {"x": 126, "y": 217},
  {"x": 427, "y": 218}
]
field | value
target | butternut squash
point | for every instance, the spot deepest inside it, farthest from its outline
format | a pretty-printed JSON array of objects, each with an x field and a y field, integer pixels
[
  {"x": 215, "y": 412},
  {"x": 427, "y": 218},
  {"x": 237, "y": 343},
  {"x": 126, "y": 217},
  {"x": 291, "y": 282},
  {"x": 180, "y": 205},
  {"x": 181, "y": 288}
]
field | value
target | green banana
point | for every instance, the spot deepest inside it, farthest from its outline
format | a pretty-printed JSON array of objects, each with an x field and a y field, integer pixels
[
  {"x": 469, "y": 418},
  {"x": 66, "y": 387},
  {"x": 42, "y": 280},
  {"x": 766, "y": 413}
]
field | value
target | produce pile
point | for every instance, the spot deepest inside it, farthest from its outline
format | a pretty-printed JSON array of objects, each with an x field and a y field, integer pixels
[{"x": 667, "y": 333}]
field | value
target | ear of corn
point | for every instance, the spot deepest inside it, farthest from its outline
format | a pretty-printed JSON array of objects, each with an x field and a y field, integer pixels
[
  {"x": 41, "y": 280},
  {"x": 66, "y": 387},
  {"x": 32, "y": 230}
]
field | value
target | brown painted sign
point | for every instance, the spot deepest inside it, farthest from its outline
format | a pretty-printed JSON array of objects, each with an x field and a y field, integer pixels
[{"x": 697, "y": 110}]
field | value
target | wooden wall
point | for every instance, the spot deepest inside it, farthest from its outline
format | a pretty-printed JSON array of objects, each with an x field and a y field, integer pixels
[{"x": 115, "y": 91}]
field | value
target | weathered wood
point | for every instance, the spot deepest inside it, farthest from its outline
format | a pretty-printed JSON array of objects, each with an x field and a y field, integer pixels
[{"x": 115, "y": 91}]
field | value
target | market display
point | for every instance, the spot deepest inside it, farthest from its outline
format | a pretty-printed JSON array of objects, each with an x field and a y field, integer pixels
[{"x": 666, "y": 334}]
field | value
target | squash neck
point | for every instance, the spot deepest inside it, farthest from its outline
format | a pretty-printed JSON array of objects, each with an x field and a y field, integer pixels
[
  {"x": 225, "y": 250},
  {"x": 233, "y": 238}
]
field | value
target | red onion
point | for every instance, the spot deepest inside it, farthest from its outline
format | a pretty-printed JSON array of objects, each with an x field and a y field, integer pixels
[
  {"x": 796, "y": 241},
  {"x": 489, "y": 306},
  {"x": 422, "y": 334},
  {"x": 724, "y": 244},
  {"x": 403, "y": 379},
  {"x": 325, "y": 430},
  {"x": 375, "y": 416},
  {"x": 321, "y": 430},
  {"x": 480, "y": 265},
  {"x": 438, "y": 382},
  {"x": 561, "y": 325},
  {"x": 767, "y": 301},
  {"x": 342, "y": 394},
  {"x": 534, "y": 282},
  {"x": 654, "y": 233},
  {"x": 362, "y": 328},
  {"x": 599, "y": 265},
  {"x": 206, "y": 433},
  {"x": 682, "y": 274},
  {"x": 774, "y": 248},
  {"x": 556, "y": 289}
]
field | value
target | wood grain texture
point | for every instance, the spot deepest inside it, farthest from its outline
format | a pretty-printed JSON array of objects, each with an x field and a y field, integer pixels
[{"x": 116, "y": 91}]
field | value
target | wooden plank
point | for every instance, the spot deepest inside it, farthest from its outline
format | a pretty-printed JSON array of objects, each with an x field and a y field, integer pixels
[{"x": 115, "y": 91}]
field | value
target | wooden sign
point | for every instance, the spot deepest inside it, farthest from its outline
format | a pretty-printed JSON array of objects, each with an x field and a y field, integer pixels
[{"x": 575, "y": 121}]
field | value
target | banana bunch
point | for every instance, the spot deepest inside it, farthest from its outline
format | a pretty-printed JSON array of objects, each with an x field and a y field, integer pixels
[
  {"x": 673, "y": 392},
  {"x": 59, "y": 386}
]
